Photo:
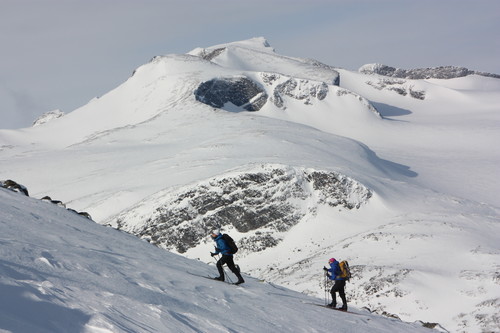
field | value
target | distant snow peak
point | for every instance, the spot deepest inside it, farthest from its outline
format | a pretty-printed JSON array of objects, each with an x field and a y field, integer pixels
[
  {"x": 209, "y": 53},
  {"x": 442, "y": 72},
  {"x": 260, "y": 202},
  {"x": 256, "y": 43},
  {"x": 260, "y": 40},
  {"x": 48, "y": 116}
]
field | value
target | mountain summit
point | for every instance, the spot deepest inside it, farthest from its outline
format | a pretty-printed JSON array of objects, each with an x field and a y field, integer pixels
[{"x": 299, "y": 161}]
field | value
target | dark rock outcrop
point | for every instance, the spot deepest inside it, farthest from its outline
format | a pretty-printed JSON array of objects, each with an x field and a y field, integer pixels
[
  {"x": 48, "y": 116},
  {"x": 300, "y": 89},
  {"x": 63, "y": 205},
  {"x": 399, "y": 86},
  {"x": 12, "y": 185},
  {"x": 240, "y": 91},
  {"x": 212, "y": 54},
  {"x": 84, "y": 214},
  {"x": 261, "y": 204},
  {"x": 55, "y": 202},
  {"x": 442, "y": 72}
]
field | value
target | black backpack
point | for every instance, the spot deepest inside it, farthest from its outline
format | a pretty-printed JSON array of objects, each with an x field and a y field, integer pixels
[{"x": 230, "y": 243}]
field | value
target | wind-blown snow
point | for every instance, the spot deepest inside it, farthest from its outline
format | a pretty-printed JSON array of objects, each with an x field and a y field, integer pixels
[{"x": 423, "y": 246}]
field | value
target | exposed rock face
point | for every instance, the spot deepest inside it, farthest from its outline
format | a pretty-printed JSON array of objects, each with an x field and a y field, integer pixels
[
  {"x": 63, "y": 205},
  {"x": 248, "y": 95},
  {"x": 55, "y": 202},
  {"x": 443, "y": 72},
  {"x": 12, "y": 185},
  {"x": 399, "y": 86},
  {"x": 299, "y": 89},
  {"x": 240, "y": 91},
  {"x": 260, "y": 204},
  {"x": 212, "y": 54},
  {"x": 48, "y": 116}
]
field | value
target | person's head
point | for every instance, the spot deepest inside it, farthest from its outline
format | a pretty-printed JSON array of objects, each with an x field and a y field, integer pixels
[
  {"x": 215, "y": 233},
  {"x": 331, "y": 261}
]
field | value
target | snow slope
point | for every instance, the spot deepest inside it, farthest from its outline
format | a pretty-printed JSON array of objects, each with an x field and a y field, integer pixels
[
  {"x": 61, "y": 273},
  {"x": 423, "y": 246},
  {"x": 449, "y": 138}
]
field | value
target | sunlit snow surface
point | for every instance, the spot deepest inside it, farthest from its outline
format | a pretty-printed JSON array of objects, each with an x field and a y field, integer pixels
[
  {"x": 63, "y": 273},
  {"x": 424, "y": 246}
]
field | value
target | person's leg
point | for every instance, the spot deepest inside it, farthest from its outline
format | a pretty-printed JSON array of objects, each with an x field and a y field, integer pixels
[
  {"x": 220, "y": 262},
  {"x": 334, "y": 298},
  {"x": 338, "y": 287},
  {"x": 230, "y": 263},
  {"x": 342, "y": 295}
]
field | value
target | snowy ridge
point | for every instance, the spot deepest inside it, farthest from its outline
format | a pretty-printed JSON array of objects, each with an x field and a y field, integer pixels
[
  {"x": 261, "y": 204},
  {"x": 443, "y": 72},
  {"x": 251, "y": 56},
  {"x": 48, "y": 116}
]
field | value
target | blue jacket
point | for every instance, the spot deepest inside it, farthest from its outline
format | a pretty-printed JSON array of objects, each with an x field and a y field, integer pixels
[
  {"x": 222, "y": 246},
  {"x": 335, "y": 271}
]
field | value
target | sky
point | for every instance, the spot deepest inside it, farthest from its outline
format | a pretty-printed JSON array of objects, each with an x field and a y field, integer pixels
[{"x": 59, "y": 54}]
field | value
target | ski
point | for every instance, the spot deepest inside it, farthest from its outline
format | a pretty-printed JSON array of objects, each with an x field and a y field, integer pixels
[
  {"x": 213, "y": 278},
  {"x": 336, "y": 309}
]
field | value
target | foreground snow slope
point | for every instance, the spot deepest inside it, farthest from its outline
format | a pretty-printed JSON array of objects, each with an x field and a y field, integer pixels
[{"x": 61, "y": 273}]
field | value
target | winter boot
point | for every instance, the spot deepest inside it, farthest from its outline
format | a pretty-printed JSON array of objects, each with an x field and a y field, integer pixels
[{"x": 240, "y": 279}]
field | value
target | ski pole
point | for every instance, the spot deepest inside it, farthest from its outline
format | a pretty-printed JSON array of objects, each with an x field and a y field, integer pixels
[
  {"x": 324, "y": 288},
  {"x": 327, "y": 298}
]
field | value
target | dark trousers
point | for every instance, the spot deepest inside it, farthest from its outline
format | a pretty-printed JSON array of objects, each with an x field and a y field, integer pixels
[
  {"x": 339, "y": 287},
  {"x": 228, "y": 260}
]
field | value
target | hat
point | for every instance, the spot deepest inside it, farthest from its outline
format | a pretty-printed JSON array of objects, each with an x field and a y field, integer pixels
[
  {"x": 331, "y": 260},
  {"x": 216, "y": 232}
]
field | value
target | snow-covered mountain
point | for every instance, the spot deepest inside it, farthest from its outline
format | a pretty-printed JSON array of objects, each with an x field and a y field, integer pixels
[{"x": 299, "y": 162}]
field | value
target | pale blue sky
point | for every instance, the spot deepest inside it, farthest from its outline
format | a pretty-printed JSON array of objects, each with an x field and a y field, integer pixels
[{"x": 62, "y": 53}]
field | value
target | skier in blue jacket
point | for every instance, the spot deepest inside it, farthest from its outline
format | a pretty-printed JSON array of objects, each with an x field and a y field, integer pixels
[
  {"x": 334, "y": 273},
  {"x": 227, "y": 257}
]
